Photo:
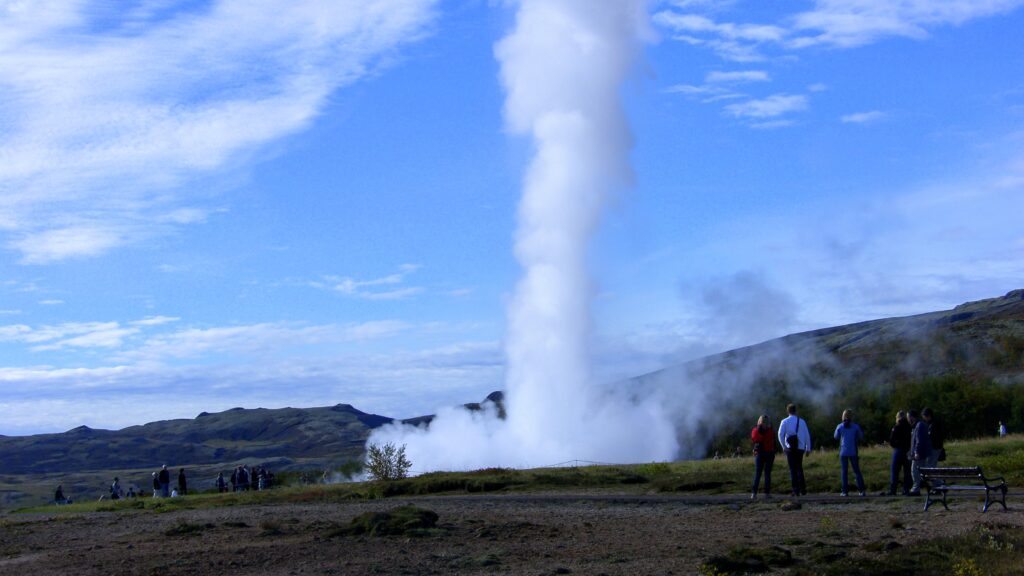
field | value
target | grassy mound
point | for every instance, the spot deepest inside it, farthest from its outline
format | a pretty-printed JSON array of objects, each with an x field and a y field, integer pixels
[{"x": 406, "y": 520}]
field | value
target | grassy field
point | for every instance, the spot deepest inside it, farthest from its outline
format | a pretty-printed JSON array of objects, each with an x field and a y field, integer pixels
[{"x": 1003, "y": 457}]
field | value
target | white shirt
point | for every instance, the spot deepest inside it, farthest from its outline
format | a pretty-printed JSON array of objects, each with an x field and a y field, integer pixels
[{"x": 788, "y": 427}]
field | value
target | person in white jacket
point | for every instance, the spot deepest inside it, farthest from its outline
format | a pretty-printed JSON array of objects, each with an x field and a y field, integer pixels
[{"x": 795, "y": 439}]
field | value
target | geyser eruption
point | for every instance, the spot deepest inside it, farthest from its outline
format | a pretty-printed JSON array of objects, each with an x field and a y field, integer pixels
[{"x": 562, "y": 68}]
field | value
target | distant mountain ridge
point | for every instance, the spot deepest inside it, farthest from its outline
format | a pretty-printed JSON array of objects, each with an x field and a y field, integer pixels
[{"x": 983, "y": 338}]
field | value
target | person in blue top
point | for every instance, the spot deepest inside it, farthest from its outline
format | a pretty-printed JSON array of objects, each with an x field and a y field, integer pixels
[{"x": 849, "y": 434}]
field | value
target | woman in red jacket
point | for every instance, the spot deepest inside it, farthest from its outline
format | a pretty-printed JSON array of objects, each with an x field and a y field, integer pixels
[{"x": 764, "y": 455}]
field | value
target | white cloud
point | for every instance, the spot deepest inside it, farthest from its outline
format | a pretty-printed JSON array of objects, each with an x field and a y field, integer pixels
[
  {"x": 155, "y": 321},
  {"x": 863, "y": 117},
  {"x": 718, "y": 77},
  {"x": 770, "y": 107},
  {"x": 850, "y": 23},
  {"x": 834, "y": 23},
  {"x": 264, "y": 340},
  {"x": 51, "y": 302},
  {"x": 399, "y": 384},
  {"x": 103, "y": 125},
  {"x": 371, "y": 289}
]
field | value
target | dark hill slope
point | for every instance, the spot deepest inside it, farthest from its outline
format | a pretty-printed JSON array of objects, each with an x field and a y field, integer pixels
[{"x": 332, "y": 433}]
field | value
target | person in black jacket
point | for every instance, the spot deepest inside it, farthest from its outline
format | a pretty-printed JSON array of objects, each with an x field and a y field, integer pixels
[
  {"x": 182, "y": 483},
  {"x": 165, "y": 482},
  {"x": 899, "y": 440}
]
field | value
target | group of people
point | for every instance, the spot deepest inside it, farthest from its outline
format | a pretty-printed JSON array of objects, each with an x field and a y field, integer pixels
[
  {"x": 162, "y": 483},
  {"x": 916, "y": 439},
  {"x": 244, "y": 478}
]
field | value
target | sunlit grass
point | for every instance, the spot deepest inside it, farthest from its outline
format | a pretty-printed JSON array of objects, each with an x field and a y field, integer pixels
[{"x": 1002, "y": 457}]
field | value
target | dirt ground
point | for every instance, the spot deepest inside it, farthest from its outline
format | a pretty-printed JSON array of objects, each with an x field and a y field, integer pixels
[{"x": 509, "y": 534}]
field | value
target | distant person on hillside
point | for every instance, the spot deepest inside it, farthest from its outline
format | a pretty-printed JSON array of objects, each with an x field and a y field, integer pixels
[
  {"x": 899, "y": 440},
  {"x": 165, "y": 481},
  {"x": 763, "y": 438},
  {"x": 920, "y": 450},
  {"x": 795, "y": 439},
  {"x": 243, "y": 478},
  {"x": 182, "y": 482},
  {"x": 58, "y": 496},
  {"x": 156, "y": 485},
  {"x": 234, "y": 479},
  {"x": 116, "y": 493},
  {"x": 222, "y": 485},
  {"x": 1002, "y": 429},
  {"x": 849, "y": 434}
]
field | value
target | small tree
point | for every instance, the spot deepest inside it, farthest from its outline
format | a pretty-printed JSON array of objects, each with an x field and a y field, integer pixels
[{"x": 387, "y": 462}]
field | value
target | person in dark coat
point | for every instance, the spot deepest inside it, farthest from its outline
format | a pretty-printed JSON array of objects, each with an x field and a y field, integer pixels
[
  {"x": 165, "y": 481},
  {"x": 182, "y": 483},
  {"x": 920, "y": 450},
  {"x": 899, "y": 440},
  {"x": 58, "y": 496},
  {"x": 222, "y": 485}
]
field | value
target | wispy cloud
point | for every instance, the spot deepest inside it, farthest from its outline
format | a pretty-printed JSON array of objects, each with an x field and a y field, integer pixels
[
  {"x": 736, "y": 77},
  {"x": 770, "y": 107},
  {"x": 863, "y": 117},
  {"x": 108, "y": 113},
  {"x": 383, "y": 288},
  {"x": 833, "y": 23},
  {"x": 51, "y": 302}
]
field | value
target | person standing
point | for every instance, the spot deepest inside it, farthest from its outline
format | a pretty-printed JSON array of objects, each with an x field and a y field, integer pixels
[
  {"x": 849, "y": 434},
  {"x": 920, "y": 450},
  {"x": 58, "y": 496},
  {"x": 156, "y": 485},
  {"x": 182, "y": 482},
  {"x": 165, "y": 481},
  {"x": 796, "y": 441},
  {"x": 1002, "y": 429},
  {"x": 222, "y": 485},
  {"x": 116, "y": 493},
  {"x": 937, "y": 435},
  {"x": 899, "y": 440},
  {"x": 764, "y": 455}
]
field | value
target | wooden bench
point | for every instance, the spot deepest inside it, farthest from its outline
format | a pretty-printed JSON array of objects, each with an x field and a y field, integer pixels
[{"x": 935, "y": 479}]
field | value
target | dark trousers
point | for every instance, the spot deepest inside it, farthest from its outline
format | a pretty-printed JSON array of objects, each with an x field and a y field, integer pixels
[
  {"x": 795, "y": 459},
  {"x": 899, "y": 462},
  {"x": 853, "y": 461},
  {"x": 763, "y": 462}
]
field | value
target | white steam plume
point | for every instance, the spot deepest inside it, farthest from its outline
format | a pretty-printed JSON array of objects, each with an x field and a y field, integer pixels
[{"x": 562, "y": 68}]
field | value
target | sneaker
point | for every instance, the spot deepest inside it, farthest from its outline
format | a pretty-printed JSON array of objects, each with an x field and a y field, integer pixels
[
  {"x": 862, "y": 493},
  {"x": 843, "y": 494},
  {"x": 753, "y": 496},
  {"x": 914, "y": 493},
  {"x": 767, "y": 496}
]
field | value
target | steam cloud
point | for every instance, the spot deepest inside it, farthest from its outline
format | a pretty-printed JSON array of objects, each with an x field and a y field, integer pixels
[{"x": 562, "y": 68}]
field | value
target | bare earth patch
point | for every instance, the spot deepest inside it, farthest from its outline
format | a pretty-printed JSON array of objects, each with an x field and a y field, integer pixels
[{"x": 513, "y": 534}]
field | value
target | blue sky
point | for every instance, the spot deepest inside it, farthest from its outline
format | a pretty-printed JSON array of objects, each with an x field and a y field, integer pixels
[{"x": 215, "y": 204}]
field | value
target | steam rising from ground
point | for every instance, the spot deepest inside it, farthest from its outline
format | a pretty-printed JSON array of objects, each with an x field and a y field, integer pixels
[{"x": 562, "y": 68}]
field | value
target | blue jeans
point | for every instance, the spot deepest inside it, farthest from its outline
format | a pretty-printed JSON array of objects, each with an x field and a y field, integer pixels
[
  {"x": 899, "y": 462},
  {"x": 763, "y": 462},
  {"x": 855, "y": 461}
]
